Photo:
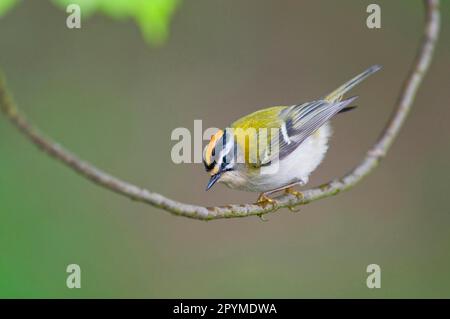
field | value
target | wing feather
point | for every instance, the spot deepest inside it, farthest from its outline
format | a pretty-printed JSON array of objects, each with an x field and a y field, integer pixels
[
  {"x": 303, "y": 120},
  {"x": 294, "y": 124}
]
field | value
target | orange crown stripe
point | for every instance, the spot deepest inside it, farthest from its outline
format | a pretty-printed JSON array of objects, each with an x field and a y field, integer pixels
[{"x": 211, "y": 145}]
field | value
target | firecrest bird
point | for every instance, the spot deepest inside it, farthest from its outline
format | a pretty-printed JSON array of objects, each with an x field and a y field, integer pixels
[{"x": 276, "y": 148}]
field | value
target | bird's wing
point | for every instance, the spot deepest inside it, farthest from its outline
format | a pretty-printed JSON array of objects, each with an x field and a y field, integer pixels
[
  {"x": 274, "y": 133},
  {"x": 300, "y": 121}
]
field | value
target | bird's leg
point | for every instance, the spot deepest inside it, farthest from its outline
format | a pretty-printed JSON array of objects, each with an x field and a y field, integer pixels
[
  {"x": 289, "y": 189},
  {"x": 264, "y": 199}
]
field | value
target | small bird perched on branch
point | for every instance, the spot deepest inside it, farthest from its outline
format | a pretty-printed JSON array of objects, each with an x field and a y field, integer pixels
[{"x": 276, "y": 148}]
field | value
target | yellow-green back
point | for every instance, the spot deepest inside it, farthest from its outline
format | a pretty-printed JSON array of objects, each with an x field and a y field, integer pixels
[
  {"x": 265, "y": 118},
  {"x": 246, "y": 131}
]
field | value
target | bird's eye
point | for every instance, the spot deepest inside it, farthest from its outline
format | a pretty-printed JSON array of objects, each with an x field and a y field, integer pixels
[
  {"x": 224, "y": 165},
  {"x": 210, "y": 166}
]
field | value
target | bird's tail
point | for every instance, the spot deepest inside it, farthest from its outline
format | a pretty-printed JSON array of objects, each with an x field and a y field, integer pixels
[{"x": 337, "y": 94}]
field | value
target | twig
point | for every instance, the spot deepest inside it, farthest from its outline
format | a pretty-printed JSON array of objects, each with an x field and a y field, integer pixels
[{"x": 373, "y": 157}]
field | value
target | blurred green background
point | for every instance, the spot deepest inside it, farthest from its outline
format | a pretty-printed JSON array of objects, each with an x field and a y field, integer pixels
[{"x": 114, "y": 98}]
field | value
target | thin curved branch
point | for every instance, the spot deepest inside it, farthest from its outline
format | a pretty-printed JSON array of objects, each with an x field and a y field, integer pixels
[{"x": 367, "y": 165}]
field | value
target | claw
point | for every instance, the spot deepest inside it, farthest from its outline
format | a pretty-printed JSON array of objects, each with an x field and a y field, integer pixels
[
  {"x": 299, "y": 195},
  {"x": 294, "y": 210},
  {"x": 264, "y": 200},
  {"x": 263, "y": 218},
  {"x": 292, "y": 191}
]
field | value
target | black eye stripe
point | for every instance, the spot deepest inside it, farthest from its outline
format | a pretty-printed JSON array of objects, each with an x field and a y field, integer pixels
[
  {"x": 210, "y": 166},
  {"x": 217, "y": 151}
]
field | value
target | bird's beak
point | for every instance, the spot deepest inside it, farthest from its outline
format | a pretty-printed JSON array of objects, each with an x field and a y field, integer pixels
[{"x": 213, "y": 180}]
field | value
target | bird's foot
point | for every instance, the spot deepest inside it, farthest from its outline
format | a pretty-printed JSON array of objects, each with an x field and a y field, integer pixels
[
  {"x": 265, "y": 200},
  {"x": 297, "y": 194},
  {"x": 292, "y": 191}
]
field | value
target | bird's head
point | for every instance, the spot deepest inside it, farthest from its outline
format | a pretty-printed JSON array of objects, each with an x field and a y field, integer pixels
[{"x": 218, "y": 156}]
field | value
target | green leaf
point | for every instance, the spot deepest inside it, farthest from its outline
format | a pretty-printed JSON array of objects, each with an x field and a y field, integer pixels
[
  {"x": 152, "y": 16},
  {"x": 6, "y": 5},
  {"x": 119, "y": 8}
]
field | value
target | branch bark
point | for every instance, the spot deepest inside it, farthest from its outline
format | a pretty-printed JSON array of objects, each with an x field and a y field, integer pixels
[{"x": 367, "y": 165}]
